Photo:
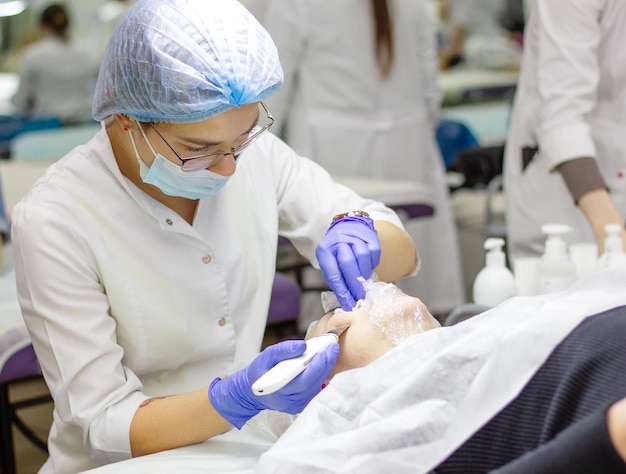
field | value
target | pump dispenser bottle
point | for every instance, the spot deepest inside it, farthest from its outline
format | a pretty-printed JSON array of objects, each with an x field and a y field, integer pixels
[
  {"x": 555, "y": 270},
  {"x": 613, "y": 255},
  {"x": 495, "y": 282}
]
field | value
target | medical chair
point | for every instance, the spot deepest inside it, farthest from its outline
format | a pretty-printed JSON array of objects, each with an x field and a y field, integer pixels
[
  {"x": 479, "y": 165},
  {"x": 290, "y": 262},
  {"x": 462, "y": 312},
  {"x": 17, "y": 366},
  {"x": 284, "y": 310},
  {"x": 482, "y": 170},
  {"x": 51, "y": 145},
  {"x": 453, "y": 137},
  {"x": 12, "y": 127},
  {"x": 410, "y": 211}
]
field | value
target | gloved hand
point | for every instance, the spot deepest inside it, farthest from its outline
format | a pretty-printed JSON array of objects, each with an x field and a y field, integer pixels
[
  {"x": 351, "y": 249},
  {"x": 233, "y": 398}
]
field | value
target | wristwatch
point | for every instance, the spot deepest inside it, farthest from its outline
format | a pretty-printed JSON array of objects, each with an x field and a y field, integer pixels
[{"x": 350, "y": 214}]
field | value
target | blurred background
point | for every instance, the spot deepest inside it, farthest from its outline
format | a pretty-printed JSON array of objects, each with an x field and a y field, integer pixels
[{"x": 92, "y": 22}]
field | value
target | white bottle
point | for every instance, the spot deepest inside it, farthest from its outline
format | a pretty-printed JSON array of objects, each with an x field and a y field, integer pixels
[
  {"x": 495, "y": 282},
  {"x": 613, "y": 255},
  {"x": 555, "y": 270}
]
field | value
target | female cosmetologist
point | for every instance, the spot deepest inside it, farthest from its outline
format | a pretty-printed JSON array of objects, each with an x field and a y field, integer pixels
[{"x": 145, "y": 263}]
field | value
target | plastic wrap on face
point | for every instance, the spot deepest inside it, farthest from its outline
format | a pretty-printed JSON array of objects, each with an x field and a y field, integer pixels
[
  {"x": 329, "y": 301},
  {"x": 394, "y": 313}
]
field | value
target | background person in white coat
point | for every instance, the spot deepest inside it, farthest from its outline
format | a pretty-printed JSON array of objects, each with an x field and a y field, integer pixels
[
  {"x": 565, "y": 155},
  {"x": 57, "y": 74},
  {"x": 361, "y": 98},
  {"x": 477, "y": 36}
]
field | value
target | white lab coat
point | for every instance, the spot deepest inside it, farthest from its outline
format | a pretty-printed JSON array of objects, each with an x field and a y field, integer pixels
[
  {"x": 571, "y": 102},
  {"x": 124, "y": 300},
  {"x": 57, "y": 79},
  {"x": 337, "y": 110}
]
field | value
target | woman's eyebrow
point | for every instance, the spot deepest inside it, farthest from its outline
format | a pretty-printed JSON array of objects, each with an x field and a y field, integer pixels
[{"x": 207, "y": 143}]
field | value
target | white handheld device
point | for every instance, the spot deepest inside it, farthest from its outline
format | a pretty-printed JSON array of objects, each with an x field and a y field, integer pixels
[{"x": 287, "y": 370}]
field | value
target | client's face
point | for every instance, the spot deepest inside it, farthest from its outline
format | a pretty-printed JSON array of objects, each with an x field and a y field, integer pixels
[{"x": 386, "y": 317}]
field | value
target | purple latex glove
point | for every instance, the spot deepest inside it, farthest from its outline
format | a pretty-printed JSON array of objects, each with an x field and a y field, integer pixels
[
  {"x": 351, "y": 249},
  {"x": 233, "y": 398}
]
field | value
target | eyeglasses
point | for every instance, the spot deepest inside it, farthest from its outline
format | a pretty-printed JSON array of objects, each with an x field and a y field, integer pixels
[{"x": 199, "y": 162}]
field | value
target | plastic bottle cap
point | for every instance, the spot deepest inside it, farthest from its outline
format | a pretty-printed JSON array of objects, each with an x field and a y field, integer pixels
[
  {"x": 556, "y": 247},
  {"x": 495, "y": 256},
  {"x": 556, "y": 229},
  {"x": 493, "y": 243}
]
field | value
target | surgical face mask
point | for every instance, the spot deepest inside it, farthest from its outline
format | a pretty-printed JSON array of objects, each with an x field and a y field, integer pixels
[{"x": 172, "y": 180}]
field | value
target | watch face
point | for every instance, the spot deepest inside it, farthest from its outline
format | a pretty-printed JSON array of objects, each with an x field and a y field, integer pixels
[{"x": 350, "y": 214}]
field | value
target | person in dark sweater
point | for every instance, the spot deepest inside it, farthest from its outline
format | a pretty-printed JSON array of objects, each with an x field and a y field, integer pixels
[{"x": 570, "y": 417}]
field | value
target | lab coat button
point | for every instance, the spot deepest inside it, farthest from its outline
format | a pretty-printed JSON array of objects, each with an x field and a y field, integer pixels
[
  {"x": 169, "y": 221},
  {"x": 206, "y": 259},
  {"x": 221, "y": 321}
]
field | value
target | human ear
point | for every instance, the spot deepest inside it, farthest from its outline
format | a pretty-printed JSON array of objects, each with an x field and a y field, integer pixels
[{"x": 125, "y": 122}]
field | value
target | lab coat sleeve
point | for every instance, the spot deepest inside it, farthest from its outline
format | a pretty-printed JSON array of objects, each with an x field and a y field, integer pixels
[
  {"x": 308, "y": 198},
  {"x": 568, "y": 76},
  {"x": 285, "y": 21},
  {"x": 66, "y": 311}
]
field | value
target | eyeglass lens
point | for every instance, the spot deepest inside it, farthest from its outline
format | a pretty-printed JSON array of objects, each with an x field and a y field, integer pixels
[{"x": 195, "y": 163}]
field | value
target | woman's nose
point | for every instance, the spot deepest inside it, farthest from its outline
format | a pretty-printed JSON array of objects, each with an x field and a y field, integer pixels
[{"x": 226, "y": 166}]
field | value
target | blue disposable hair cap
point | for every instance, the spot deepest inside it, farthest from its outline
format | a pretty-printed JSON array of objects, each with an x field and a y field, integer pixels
[{"x": 181, "y": 61}]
